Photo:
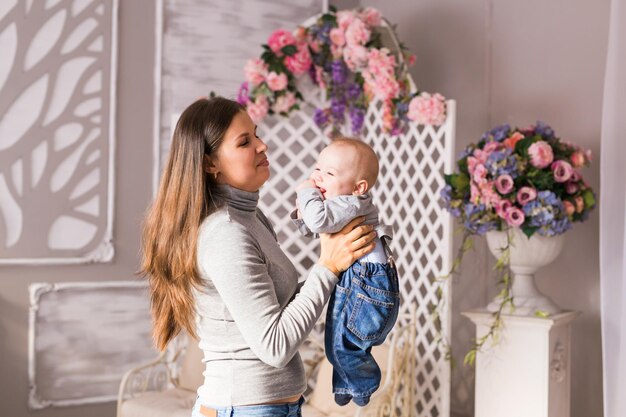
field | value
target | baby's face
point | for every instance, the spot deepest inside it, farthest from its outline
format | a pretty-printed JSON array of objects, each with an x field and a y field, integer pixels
[{"x": 335, "y": 172}]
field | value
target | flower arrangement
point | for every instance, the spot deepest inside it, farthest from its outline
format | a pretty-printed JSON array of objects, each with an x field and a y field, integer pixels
[
  {"x": 526, "y": 178},
  {"x": 515, "y": 178},
  {"x": 342, "y": 53}
]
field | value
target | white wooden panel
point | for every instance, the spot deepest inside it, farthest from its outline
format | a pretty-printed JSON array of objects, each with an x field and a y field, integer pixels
[{"x": 83, "y": 337}]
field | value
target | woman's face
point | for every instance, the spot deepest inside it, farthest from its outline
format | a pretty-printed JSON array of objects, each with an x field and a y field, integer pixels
[{"x": 240, "y": 160}]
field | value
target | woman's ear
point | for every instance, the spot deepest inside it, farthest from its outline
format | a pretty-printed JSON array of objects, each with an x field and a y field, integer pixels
[
  {"x": 361, "y": 187},
  {"x": 209, "y": 166}
]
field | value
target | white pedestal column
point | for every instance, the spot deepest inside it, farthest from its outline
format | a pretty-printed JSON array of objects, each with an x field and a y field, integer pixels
[{"x": 527, "y": 373}]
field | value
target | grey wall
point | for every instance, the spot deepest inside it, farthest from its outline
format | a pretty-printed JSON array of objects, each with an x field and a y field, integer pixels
[
  {"x": 133, "y": 191},
  {"x": 503, "y": 61}
]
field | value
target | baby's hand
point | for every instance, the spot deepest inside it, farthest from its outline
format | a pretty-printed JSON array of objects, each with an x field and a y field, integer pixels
[{"x": 308, "y": 183}]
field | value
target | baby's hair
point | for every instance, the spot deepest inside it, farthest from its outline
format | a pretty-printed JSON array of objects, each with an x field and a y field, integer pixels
[{"x": 367, "y": 161}]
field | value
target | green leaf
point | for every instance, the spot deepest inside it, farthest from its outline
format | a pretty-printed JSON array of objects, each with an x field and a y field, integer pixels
[
  {"x": 289, "y": 50},
  {"x": 529, "y": 230},
  {"x": 589, "y": 198},
  {"x": 521, "y": 147},
  {"x": 541, "y": 314},
  {"x": 460, "y": 182}
]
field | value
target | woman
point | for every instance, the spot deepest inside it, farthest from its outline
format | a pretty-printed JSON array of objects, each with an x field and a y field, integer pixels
[{"x": 217, "y": 271}]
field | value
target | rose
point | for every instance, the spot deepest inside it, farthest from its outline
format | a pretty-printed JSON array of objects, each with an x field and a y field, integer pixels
[
  {"x": 541, "y": 154},
  {"x": 561, "y": 170},
  {"x": 276, "y": 82},
  {"x": 502, "y": 206},
  {"x": 504, "y": 184},
  {"x": 526, "y": 194},
  {"x": 355, "y": 57},
  {"x": 571, "y": 187},
  {"x": 512, "y": 140},
  {"x": 578, "y": 159},
  {"x": 428, "y": 109},
  {"x": 337, "y": 37},
  {"x": 255, "y": 71},
  {"x": 371, "y": 16},
  {"x": 284, "y": 102},
  {"x": 279, "y": 39},
  {"x": 569, "y": 208},
  {"x": 357, "y": 33},
  {"x": 344, "y": 19},
  {"x": 258, "y": 109},
  {"x": 514, "y": 216},
  {"x": 299, "y": 62}
]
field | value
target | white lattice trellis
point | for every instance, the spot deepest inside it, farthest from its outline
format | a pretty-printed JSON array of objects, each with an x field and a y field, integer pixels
[{"x": 412, "y": 170}]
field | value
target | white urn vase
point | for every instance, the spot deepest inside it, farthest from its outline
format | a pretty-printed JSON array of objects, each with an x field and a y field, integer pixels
[{"x": 527, "y": 255}]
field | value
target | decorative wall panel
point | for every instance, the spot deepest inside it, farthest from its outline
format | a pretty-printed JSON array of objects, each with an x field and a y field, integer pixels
[
  {"x": 83, "y": 337},
  {"x": 57, "y": 78}
]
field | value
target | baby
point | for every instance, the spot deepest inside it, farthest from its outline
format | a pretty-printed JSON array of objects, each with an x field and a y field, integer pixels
[{"x": 364, "y": 306}]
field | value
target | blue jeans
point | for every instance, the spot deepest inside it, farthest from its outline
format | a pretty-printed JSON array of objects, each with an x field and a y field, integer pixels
[
  {"x": 361, "y": 312},
  {"x": 261, "y": 410}
]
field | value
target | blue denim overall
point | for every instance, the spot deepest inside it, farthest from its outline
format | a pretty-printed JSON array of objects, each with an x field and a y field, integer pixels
[{"x": 361, "y": 312}]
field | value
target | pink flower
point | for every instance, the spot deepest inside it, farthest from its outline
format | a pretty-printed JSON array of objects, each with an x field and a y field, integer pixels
[
  {"x": 569, "y": 208},
  {"x": 474, "y": 193},
  {"x": 489, "y": 195},
  {"x": 258, "y": 109},
  {"x": 480, "y": 174},
  {"x": 490, "y": 147},
  {"x": 300, "y": 62},
  {"x": 504, "y": 184},
  {"x": 514, "y": 216},
  {"x": 344, "y": 19},
  {"x": 337, "y": 37},
  {"x": 300, "y": 34},
  {"x": 284, "y": 102},
  {"x": 502, "y": 207},
  {"x": 357, "y": 33},
  {"x": 526, "y": 194},
  {"x": 541, "y": 154},
  {"x": 371, "y": 16},
  {"x": 588, "y": 155},
  {"x": 472, "y": 163},
  {"x": 279, "y": 39},
  {"x": 355, "y": 57},
  {"x": 571, "y": 187},
  {"x": 319, "y": 77},
  {"x": 255, "y": 71},
  {"x": 580, "y": 204},
  {"x": 562, "y": 170},
  {"x": 578, "y": 159},
  {"x": 276, "y": 82},
  {"x": 512, "y": 140},
  {"x": 428, "y": 109},
  {"x": 575, "y": 176}
]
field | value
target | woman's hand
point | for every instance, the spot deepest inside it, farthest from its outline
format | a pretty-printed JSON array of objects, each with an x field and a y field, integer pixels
[{"x": 341, "y": 249}]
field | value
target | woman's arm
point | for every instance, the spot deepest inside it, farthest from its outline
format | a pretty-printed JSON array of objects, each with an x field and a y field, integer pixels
[{"x": 236, "y": 265}]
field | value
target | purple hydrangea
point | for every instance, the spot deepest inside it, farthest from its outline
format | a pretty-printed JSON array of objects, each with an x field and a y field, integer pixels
[
  {"x": 475, "y": 222},
  {"x": 338, "y": 109},
  {"x": 498, "y": 133},
  {"x": 353, "y": 91},
  {"x": 320, "y": 117},
  {"x": 357, "y": 117},
  {"x": 339, "y": 72},
  {"x": 501, "y": 163},
  {"x": 544, "y": 130},
  {"x": 547, "y": 213}
]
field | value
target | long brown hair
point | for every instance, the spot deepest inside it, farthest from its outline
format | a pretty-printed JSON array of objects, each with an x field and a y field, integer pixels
[{"x": 186, "y": 196}]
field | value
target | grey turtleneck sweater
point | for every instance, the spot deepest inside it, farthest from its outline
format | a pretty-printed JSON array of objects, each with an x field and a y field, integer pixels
[{"x": 251, "y": 314}]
